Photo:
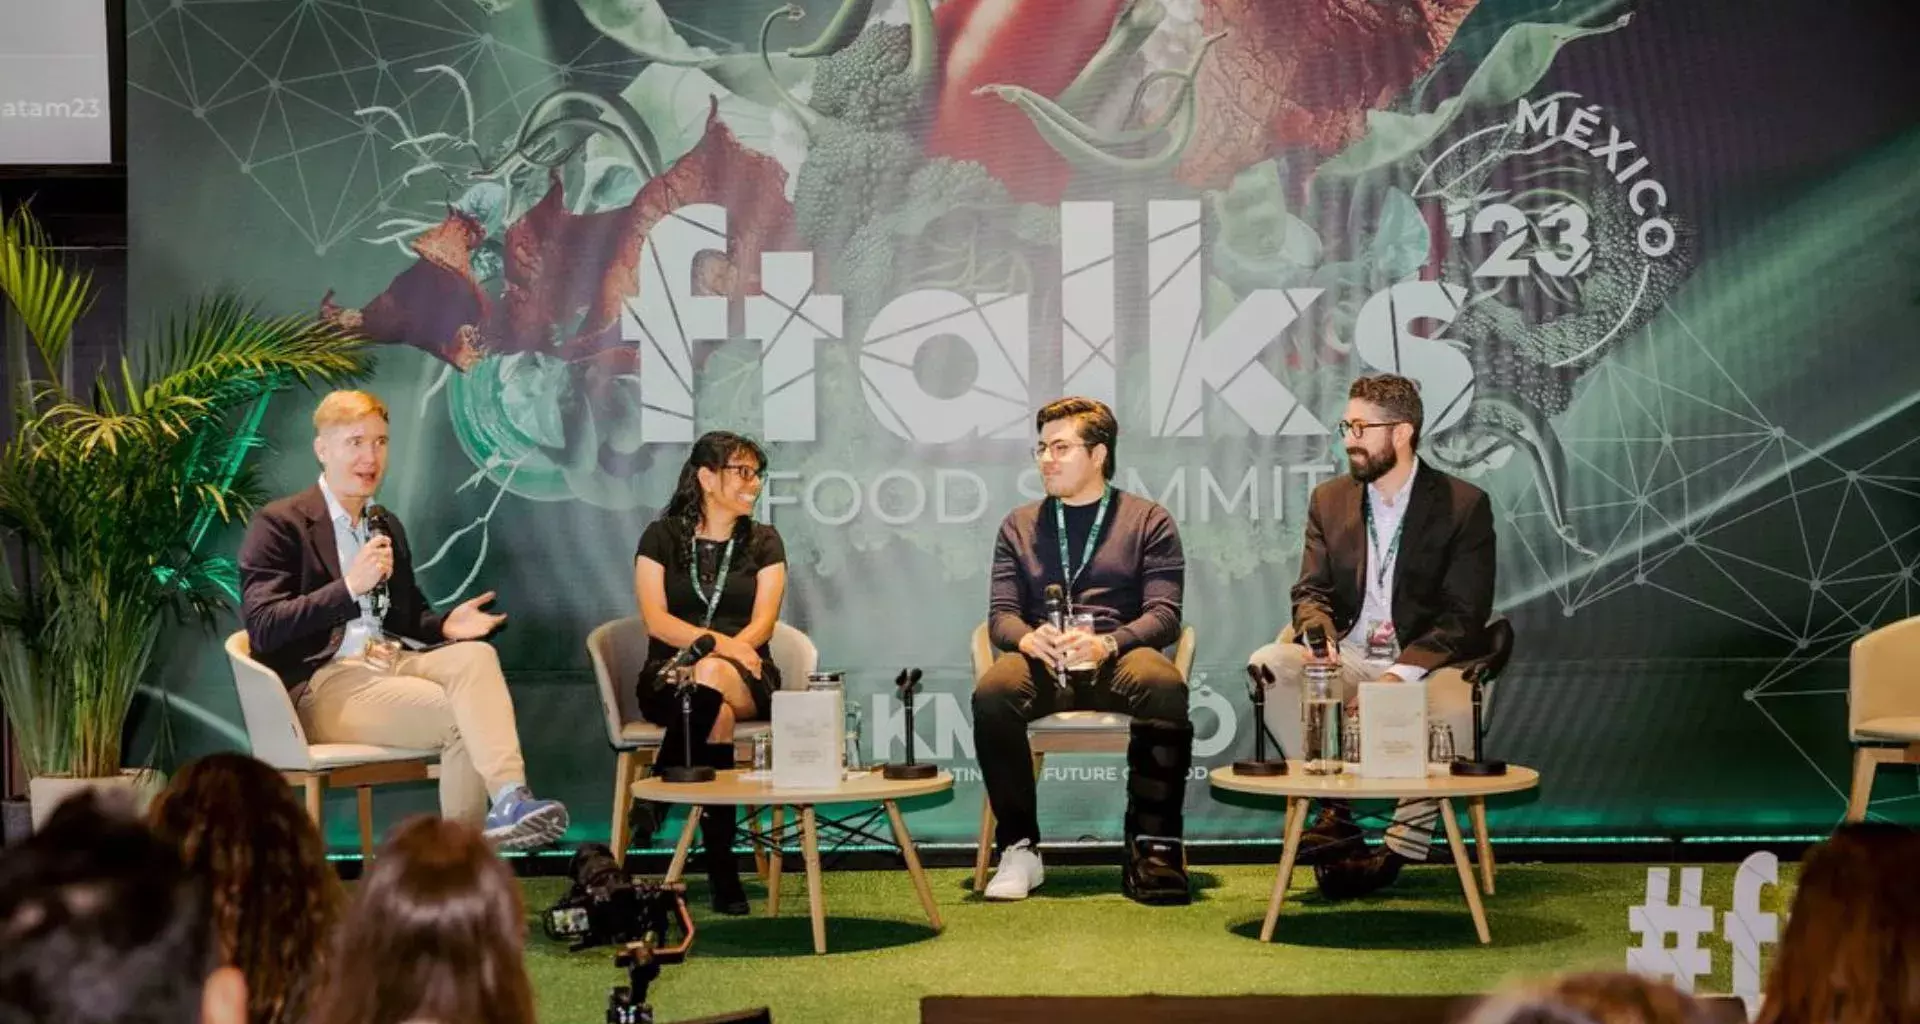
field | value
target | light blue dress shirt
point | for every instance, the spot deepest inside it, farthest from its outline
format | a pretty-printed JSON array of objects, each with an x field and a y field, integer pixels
[{"x": 348, "y": 538}]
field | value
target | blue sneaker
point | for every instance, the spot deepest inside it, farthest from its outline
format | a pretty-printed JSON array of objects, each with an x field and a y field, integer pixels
[{"x": 519, "y": 822}]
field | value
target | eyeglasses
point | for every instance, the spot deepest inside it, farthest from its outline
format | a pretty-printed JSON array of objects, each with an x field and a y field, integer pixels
[
  {"x": 1057, "y": 449},
  {"x": 1355, "y": 428},
  {"x": 745, "y": 472}
]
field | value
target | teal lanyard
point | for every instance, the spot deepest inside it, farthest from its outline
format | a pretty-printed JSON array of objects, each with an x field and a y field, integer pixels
[
  {"x": 719, "y": 582},
  {"x": 1382, "y": 562},
  {"x": 1093, "y": 538},
  {"x": 712, "y": 600}
]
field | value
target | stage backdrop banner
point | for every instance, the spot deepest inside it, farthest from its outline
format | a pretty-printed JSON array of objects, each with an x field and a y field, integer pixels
[{"x": 1654, "y": 269}]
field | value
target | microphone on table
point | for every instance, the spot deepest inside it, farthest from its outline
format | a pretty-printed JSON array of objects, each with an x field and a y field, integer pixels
[
  {"x": 687, "y": 771},
  {"x": 1259, "y": 677},
  {"x": 1057, "y": 615},
  {"x": 908, "y": 684}
]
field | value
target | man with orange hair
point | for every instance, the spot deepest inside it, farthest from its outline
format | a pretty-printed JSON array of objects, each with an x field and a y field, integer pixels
[{"x": 326, "y": 596}]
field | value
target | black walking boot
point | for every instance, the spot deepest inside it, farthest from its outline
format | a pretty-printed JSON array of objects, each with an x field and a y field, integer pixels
[{"x": 1158, "y": 757}]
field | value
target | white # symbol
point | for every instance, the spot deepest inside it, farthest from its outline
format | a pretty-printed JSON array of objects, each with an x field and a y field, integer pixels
[{"x": 1685, "y": 920}]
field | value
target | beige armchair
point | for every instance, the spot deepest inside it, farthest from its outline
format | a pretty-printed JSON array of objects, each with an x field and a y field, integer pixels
[
  {"x": 1065, "y": 732},
  {"x": 618, "y": 649},
  {"x": 1883, "y": 705},
  {"x": 276, "y": 737}
]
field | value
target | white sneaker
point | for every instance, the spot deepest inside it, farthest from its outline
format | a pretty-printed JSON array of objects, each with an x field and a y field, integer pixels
[{"x": 1020, "y": 872}]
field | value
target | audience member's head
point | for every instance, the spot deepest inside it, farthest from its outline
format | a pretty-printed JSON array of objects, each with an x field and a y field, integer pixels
[
  {"x": 435, "y": 933},
  {"x": 1850, "y": 953},
  {"x": 274, "y": 897},
  {"x": 100, "y": 923},
  {"x": 1597, "y": 998}
]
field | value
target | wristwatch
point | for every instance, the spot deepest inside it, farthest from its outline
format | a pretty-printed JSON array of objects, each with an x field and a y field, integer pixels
[{"x": 1112, "y": 645}]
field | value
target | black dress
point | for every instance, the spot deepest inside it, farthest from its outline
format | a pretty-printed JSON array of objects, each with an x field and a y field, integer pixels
[{"x": 671, "y": 543}]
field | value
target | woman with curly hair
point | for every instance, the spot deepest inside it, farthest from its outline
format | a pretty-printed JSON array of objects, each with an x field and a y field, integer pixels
[
  {"x": 275, "y": 898},
  {"x": 1850, "y": 953},
  {"x": 436, "y": 935}
]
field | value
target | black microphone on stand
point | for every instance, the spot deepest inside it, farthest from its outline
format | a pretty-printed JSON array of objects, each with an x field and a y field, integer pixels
[
  {"x": 1259, "y": 677},
  {"x": 1057, "y": 615},
  {"x": 908, "y": 683},
  {"x": 688, "y": 771}
]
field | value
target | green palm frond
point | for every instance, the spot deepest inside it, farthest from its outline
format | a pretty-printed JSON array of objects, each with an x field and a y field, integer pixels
[
  {"x": 114, "y": 491},
  {"x": 221, "y": 357},
  {"x": 48, "y": 293}
]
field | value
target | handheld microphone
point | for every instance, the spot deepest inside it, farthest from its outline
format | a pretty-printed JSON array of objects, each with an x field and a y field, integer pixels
[
  {"x": 1317, "y": 640},
  {"x": 378, "y": 526},
  {"x": 687, "y": 771},
  {"x": 1057, "y": 615},
  {"x": 701, "y": 646}
]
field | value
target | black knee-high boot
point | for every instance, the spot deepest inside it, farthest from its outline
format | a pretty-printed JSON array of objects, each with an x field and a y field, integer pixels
[
  {"x": 1158, "y": 757},
  {"x": 717, "y": 829}
]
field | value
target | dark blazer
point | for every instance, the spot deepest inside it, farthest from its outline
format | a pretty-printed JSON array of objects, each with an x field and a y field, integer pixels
[
  {"x": 1442, "y": 583},
  {"x": 294, "y": 591}
]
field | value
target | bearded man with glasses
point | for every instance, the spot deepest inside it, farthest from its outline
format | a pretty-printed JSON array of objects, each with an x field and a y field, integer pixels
[
  {"x": 1115, "y": 557},
  {"x": 1396, "y": 584}
]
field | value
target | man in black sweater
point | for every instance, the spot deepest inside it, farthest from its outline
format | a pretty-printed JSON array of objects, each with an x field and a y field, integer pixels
[{"x": 1116, "y": 557}]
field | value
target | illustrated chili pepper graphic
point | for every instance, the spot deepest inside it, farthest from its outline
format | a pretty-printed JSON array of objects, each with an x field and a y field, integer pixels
[{"x": 1048, "y": 47}]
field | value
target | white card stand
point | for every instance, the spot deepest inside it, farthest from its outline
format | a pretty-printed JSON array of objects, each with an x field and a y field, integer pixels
[
  {"x": 807, "y": 745},
  {"x": 1393, "y": 730}
]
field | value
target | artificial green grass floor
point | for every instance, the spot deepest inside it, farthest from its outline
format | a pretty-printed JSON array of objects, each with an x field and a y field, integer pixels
[{"x": 1078, "y": 936}]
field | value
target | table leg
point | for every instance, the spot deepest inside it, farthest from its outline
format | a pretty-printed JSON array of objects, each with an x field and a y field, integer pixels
[
  {"x": 913, "y": 864},
  {"x": 759, "y": 840},
  {"x": 1289, "y": 849},
  {"x": 1477, "y": 810},
  {"x": 1467, "y": 883},
  {"x": 816, "y": 900},
  {"x": 691, "y": 829},
  {"x": 775, "y": 861}
]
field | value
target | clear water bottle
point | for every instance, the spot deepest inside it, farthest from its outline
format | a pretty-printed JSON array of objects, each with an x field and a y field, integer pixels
[
  {"x": 1320, "y": 716},
  {"x": 854, "y": 738},
  {"x": 1350, "y": 742},
  {"x": 763, "y": 753}
]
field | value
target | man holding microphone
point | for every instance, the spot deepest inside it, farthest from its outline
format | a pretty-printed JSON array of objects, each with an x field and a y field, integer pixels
[
  {"x": 331, "y": 604},
  {"x": 1092, "y": 549}
]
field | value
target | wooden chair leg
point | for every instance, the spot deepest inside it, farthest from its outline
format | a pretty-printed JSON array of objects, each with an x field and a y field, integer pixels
[
  {"x": 625, "y": 768},
  {"x": 1866, "y": 761},
  {"x": 316, "y": 788},
  {"x": 363, "y": 795},
  {"x": 984, "y": 854}
]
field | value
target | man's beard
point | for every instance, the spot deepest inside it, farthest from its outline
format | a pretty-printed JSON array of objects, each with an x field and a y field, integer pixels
[{"x": 1366, "y": 467}]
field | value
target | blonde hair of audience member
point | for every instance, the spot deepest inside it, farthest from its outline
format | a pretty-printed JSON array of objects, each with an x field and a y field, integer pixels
[
  {"x": 274, "y": 897},
  {"x": 1850, "y": 952},
  {"x": 436, "y": 933},
  {"x": 1597, "y": 998}
]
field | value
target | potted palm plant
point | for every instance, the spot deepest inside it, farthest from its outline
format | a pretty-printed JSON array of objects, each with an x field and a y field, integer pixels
[{"x": 108, "y": 497}]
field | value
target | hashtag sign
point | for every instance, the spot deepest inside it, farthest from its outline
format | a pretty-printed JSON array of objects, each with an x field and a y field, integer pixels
[
  {"x": 1685, "y": 920},
  {"x": 1747, "y": 928}
]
